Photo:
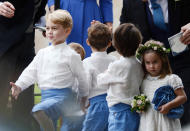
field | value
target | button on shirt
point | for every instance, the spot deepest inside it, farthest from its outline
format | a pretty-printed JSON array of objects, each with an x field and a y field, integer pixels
[
  {"x": 122, "y": 79},
  {"x": 55, "y": 67},
  {"x": 95, "y": 64}
]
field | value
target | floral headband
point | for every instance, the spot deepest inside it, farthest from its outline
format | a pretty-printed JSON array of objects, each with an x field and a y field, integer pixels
[{"x": 151, "y": 45}]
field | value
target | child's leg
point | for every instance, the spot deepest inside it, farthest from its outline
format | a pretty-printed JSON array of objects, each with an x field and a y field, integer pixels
[
  {"x": 97, "y": 115},
  {"x": 44, "y": 121},
  {"x": 72, "y": 123},
  {"x": 122, "y": 119},
  {"x": 53, "y": 105}
]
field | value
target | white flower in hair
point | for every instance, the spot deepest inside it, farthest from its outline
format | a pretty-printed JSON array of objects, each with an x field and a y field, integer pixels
[
  {"x": 151, "y": 45},
  {"x": 155, "y": 48},
  {"x": 158, "y": 43}
]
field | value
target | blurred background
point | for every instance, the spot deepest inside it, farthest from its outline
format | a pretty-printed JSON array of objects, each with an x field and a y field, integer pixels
[{"x": 41, "y": 42}]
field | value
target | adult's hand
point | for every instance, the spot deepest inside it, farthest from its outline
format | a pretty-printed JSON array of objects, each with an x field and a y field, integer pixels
[
  {"x": 185, "y": 38},
  {"x": 7, "y": 9},
  {"x": 94, "y": 22},
  {"x": 110, "y": 25}
]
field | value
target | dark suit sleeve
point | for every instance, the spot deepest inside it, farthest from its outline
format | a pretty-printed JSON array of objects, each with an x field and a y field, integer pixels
[
  {"x": 41, "y": 11},
  {"x": 124, "y": 12}
]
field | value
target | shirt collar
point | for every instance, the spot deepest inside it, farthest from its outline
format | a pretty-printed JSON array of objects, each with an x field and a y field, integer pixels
[
  {"x": 59, "y": 45},
  {"x": 152, "y": 78},
  {"x": 131, "y": 57},
  {"x": 99, "y": 54}
]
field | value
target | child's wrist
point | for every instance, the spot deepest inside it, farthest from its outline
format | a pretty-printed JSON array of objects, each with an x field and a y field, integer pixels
[{"x": 168, "y": 106}]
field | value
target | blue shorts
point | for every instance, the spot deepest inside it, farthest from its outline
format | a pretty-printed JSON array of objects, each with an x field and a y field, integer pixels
[
  {"x": 122, "y": 119},
  {"x": 72, "y": 123},
  {"x": 97, "y": 115},
  {"x": 56, "y": 103}
]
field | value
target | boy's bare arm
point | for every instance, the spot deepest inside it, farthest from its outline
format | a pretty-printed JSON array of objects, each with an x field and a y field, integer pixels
[
  {"x": 83, "y": 103},
  {"x": 180, "y": 99}
]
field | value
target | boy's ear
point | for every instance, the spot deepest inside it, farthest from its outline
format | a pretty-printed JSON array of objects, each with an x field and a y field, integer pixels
[
  {"x": 68, "y": 30},
  {"x": 87, "y": 42}
]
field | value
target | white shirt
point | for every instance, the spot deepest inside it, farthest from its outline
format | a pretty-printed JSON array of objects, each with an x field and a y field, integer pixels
[
  {"x": 95, "y": 64},
  {"x": 123, "y": 79},
  {"x": 55, "y": 67},
  {"x": 164, "y": 6}
]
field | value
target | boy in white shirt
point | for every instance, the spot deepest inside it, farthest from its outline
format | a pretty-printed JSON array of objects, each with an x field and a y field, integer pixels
[
  {"x": 99, "y": 39},
  {"x": 55, "y": 69},
  {"x": 123, "y": 79}
]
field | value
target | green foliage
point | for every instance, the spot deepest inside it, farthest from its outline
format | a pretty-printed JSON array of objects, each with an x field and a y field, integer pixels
[{"x": 140, "y": 103}]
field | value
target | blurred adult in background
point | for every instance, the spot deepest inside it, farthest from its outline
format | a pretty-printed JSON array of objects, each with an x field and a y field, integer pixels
[
  {"x": 16, "y": 52},
  {"x": 160, "y": 19},
  {"x": 83, "y": 12}
]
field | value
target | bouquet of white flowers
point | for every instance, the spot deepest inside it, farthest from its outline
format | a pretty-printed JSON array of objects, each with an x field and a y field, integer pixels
[{"x": 140, "y": 103}]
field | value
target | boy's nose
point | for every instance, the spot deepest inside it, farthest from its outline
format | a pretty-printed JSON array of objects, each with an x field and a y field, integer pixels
[{"x": 49, "y": 31}]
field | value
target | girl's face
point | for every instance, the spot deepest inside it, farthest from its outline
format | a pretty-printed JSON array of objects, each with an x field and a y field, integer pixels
[
  {"x": 153, "y": 63},
  {"x": 56, "y": 33}
]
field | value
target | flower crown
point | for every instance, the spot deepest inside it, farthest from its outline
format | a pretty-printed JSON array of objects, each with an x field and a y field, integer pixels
[{"x": 151, "y": 45}]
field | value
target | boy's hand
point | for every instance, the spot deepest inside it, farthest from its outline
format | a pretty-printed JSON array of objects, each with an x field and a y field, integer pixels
[
  {"x": 15, "y": 90},
  {"x": 164, "y": 109},
  {"x": 87, "y": 105},
  {"x": 82, "y": 104}
]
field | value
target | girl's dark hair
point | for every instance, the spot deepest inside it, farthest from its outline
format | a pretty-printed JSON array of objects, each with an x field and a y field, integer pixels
[
  {"x": 166, "y": 68},
  {"x": 126, "y": 39}
]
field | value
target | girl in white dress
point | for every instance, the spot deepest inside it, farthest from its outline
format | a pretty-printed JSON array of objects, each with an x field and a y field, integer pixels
[{"x": 157, "y": 74}]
